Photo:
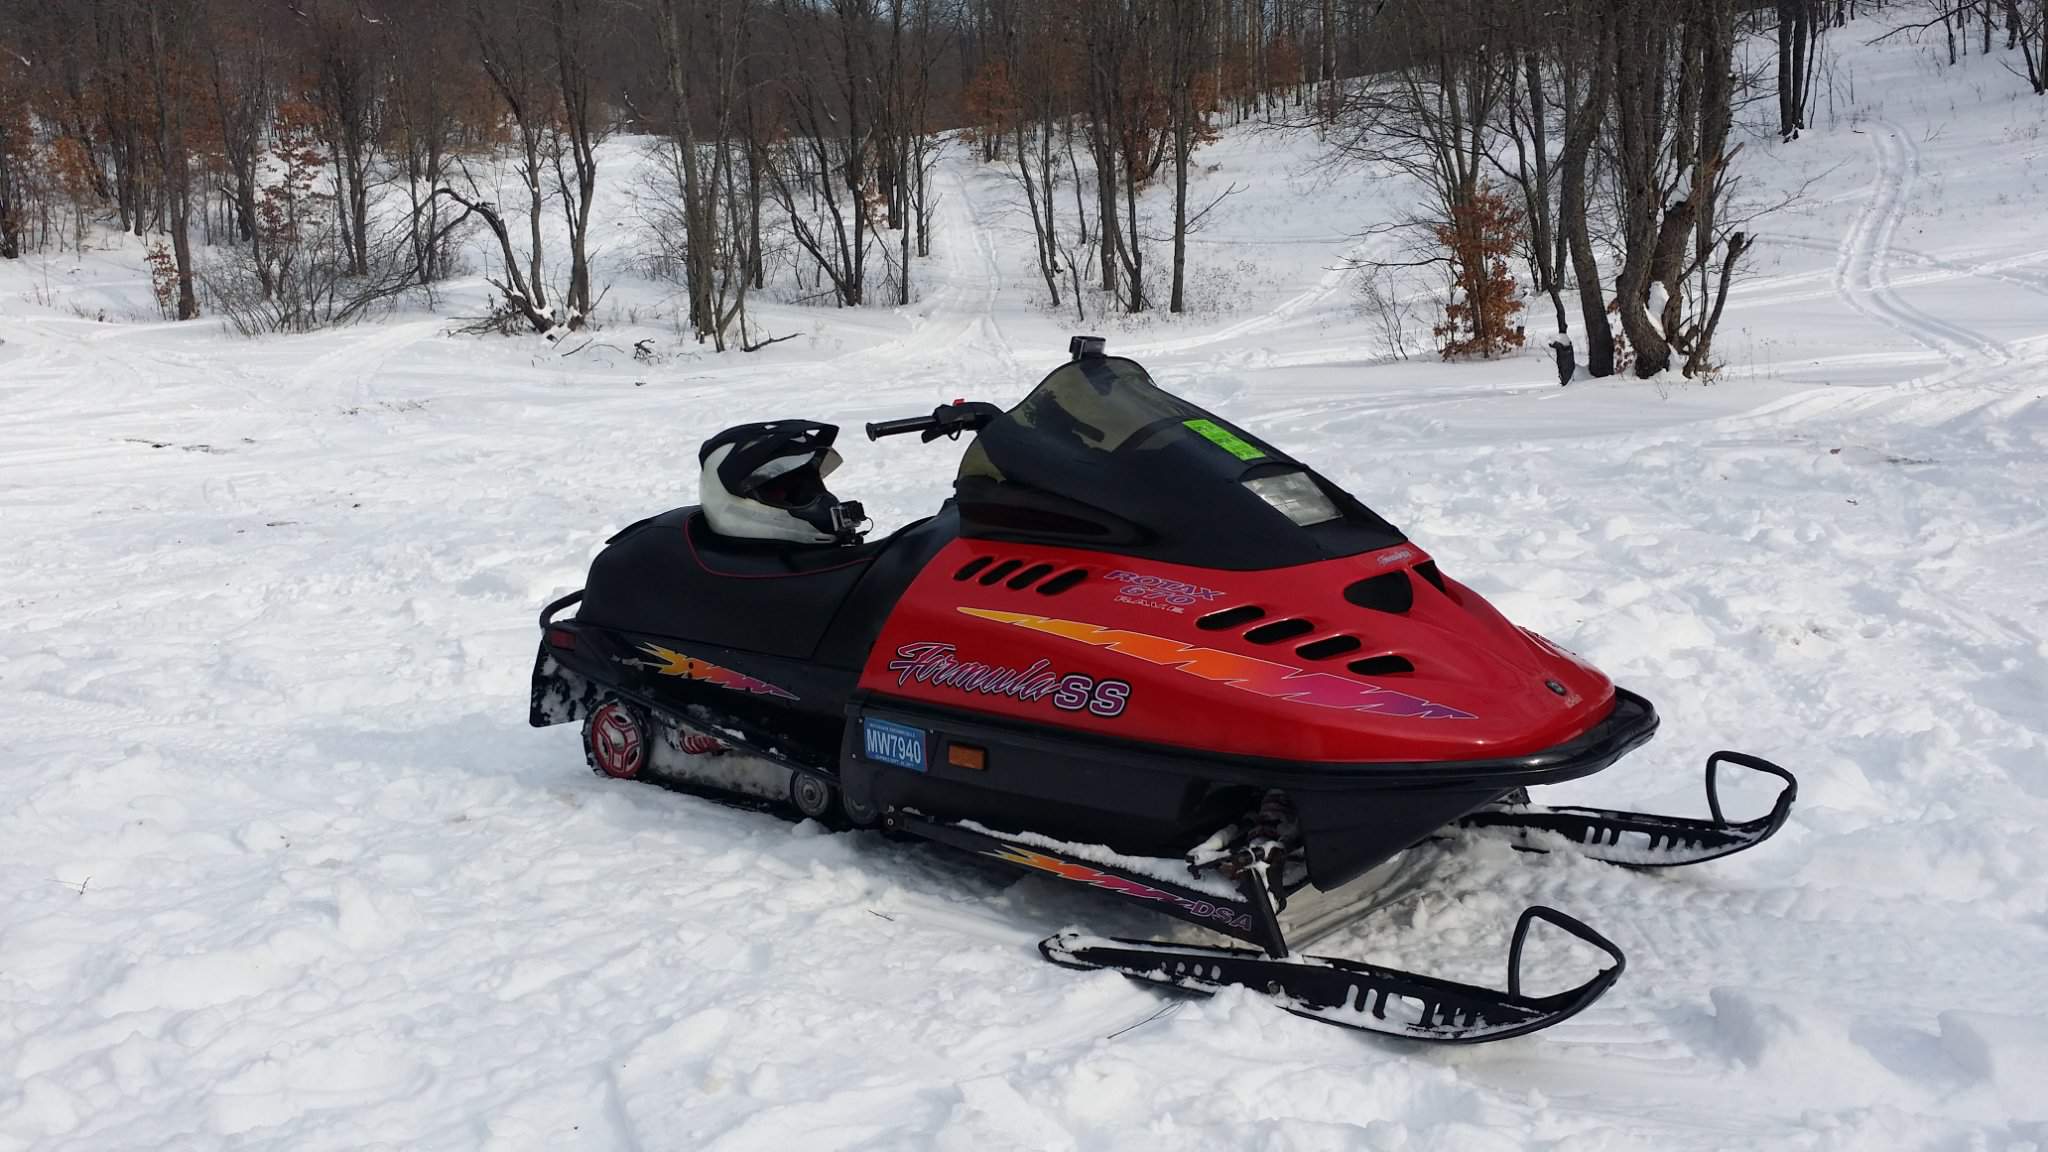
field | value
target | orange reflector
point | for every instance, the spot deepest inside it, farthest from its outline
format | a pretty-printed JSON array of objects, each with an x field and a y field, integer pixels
[{"x": 967, "y": 756}]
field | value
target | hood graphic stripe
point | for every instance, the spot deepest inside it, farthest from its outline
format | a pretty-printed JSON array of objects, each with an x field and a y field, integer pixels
[{"x": 1247, "y": 673}]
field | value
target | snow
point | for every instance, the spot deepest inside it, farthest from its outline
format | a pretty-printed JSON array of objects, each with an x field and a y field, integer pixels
[{"x": 281, "y": 865}]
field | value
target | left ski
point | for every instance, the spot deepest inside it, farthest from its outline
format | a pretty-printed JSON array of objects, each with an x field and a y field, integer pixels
[
  {"x": 1353, "y": 994},
  {"x": 1348, "y": 993},
  {"x": 1641, "y": 839}
]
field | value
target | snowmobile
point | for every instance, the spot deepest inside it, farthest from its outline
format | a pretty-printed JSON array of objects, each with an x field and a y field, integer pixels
[{"x": 1139, "y": 649}]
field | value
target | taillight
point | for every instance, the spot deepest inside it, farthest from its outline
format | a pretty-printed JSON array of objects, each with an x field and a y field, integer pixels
[{"x": 561, "y": 638}]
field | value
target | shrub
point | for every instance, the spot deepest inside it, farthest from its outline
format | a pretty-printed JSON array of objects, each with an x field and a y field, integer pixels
[{"x": 1478, "y": 239}]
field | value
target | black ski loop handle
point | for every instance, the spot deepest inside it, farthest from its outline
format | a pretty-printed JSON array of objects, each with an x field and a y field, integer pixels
[
  {"x": 1779, "y": 810},
  {"x": 1585, "y": 993}
]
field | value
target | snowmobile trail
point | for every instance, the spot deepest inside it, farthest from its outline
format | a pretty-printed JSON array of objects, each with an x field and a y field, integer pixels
[
  {"x": 1332, "y": 281},
  {"x": 1864, "y": 268}
]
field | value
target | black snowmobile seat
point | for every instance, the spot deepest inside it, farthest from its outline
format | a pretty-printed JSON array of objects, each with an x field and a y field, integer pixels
[{"x": 672, "y": 576}]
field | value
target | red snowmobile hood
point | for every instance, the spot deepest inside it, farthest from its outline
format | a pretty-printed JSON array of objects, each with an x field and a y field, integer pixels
[{"x": 1370, "y": 658}]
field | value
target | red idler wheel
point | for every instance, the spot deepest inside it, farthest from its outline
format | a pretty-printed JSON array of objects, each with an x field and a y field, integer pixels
[{"x": 615, "y": 740}]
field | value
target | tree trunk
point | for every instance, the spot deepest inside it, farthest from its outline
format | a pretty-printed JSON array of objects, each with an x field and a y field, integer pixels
[
  {"x": 10, "y": 219},
  {"x": 176, "y": 164},
  {"x": 1641, "y": 61},
  {"x": 697, "y": 242},
  {"x": 1584, "y": 125}
]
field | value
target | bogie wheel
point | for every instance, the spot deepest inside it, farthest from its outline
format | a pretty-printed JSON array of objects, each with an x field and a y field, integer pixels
[
  {"x": 860, "y": 814},
  {"x": 615, "y": 740},
  {"x": 813, "y": 796}
]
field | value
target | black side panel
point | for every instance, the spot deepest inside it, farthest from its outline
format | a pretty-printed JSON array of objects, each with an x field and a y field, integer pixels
[
  {"x": 1035, "y": 781},
  {"x": 791, "y": 710},
  {"x": 671, "y": 576},
  {"x": 903, "y": 556}
]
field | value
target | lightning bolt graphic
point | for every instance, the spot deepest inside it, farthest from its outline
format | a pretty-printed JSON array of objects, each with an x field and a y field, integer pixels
[{"x": 669, "y": 662}]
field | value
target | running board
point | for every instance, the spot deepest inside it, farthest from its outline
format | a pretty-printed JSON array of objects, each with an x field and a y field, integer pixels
[
  {"x": 1352, "y": 994},
  {"x": 1641, "y": 839},
  {"x": 1348, "y": 993}
]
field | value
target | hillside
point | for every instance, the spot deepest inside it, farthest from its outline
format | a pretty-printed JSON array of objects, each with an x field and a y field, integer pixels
[{"x": 284, "y": 867}]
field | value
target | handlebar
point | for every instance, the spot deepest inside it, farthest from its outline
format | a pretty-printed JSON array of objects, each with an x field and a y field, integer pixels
[
  {"x": 897, "y": 427},
  {"x": 945, "y": 420}
]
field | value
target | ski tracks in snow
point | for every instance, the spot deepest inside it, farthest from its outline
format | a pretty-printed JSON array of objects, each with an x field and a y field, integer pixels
[
  {"x": 1863, "y": 271},
  {"x": 1980, "y": 374}
]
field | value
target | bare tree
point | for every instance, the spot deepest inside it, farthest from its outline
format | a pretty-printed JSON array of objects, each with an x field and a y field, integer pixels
[
  {"x": 168, "y": 28},
  {"x": 820, "y": 173},
  {"x": 522, "y": 72},
  {"x": 348, "y": 74},
  {"x": 577, "y": 27},
  {"x": 1587, "y": 79},
  {"x": 1188, "y": 35},
  {"x": 1038, "y": 61},
  {"x": 1801, "y": 25},
  {"x": 424, "y": 121},
  {"x": 711, "y": 40}
]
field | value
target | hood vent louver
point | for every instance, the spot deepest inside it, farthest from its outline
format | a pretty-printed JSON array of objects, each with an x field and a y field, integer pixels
[
  {"x": 1381, "y": 666},
  {"x": 1328, "y": 647},
  {"x": 1428, "y": 571},
  {"x": 1062, "y": 582},
  {"x": 1230, "y": 617},
  {"x": 1048, "y": 578},
  {"x": 1279, "y": 630},
  {"x": 1386, "y": 592},
  {"x": 1030, "y": 576},
  {"x": 995, "y": 574}
]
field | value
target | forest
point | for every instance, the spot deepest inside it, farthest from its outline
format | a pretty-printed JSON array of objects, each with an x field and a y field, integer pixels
[{"x": 292, "y": 164}]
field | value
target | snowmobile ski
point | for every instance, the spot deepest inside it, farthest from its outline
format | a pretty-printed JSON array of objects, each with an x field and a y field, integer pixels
[
  {"x": 1641, "y": 839},
  {"x": 1349, "y": 993},
  {"x": 1353, "y": 994}
]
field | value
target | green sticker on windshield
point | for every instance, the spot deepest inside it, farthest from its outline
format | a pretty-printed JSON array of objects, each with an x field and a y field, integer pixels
[{"x": 1224, "y": 438}]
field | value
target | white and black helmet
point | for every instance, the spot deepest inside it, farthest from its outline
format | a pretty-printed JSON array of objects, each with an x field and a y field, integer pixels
[{"x": 767, "y": 482}]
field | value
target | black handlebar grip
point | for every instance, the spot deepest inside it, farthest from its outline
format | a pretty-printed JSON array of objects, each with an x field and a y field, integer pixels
[{"x": 877, "y": 430}]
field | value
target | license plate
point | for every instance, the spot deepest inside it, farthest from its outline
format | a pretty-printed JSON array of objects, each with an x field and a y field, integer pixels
[{"x": 889, "y": 743}]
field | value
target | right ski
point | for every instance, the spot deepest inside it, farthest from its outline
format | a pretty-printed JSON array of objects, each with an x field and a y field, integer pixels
[
  {"x": 1642, "y": 839},
  {"x": 1348, "y": 993},
  {"x": 1353, "y": 994}
]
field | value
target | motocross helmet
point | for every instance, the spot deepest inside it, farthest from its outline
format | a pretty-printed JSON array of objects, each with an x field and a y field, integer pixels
[{"x": 767, "y": 482}]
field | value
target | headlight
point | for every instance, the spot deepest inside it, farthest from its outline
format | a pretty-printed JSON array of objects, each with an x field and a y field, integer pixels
[{"x": 1296, "y": 495}]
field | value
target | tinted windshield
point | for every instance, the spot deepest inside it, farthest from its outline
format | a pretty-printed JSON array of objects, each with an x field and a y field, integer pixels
[{"x": 1099, "y": 455}]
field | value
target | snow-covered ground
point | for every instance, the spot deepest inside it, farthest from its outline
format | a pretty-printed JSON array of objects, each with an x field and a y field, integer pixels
[{"x": 281, "y": 865}]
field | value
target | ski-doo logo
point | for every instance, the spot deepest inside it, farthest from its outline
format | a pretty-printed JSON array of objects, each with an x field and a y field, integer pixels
[
  {"x": 938, "y": 665},
  {"x": 1245, "y": 673},
  {"x": 1095, "y": 877},
  {"x": 897, "y": 744},
  {"x": 1157, "y": 591},
  {"x": 668, "y": 662}
]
